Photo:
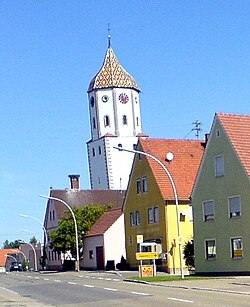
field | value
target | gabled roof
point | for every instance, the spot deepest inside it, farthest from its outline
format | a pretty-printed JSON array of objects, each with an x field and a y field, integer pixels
[
  {"x": 112, "y": 74},
  {"x": 237, "y": 127},
  {"x": 105, "y": 222},
  {"x": 81, "y": 198},
  {"x": 183, "y": 168},
  {"x": 7, "y": 251}
]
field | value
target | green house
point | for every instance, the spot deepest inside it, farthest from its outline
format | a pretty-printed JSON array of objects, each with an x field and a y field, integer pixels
[{"x": 221, "y": 199}]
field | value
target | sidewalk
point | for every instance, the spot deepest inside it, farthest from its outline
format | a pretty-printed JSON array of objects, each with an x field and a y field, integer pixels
[
  {"x": 11, "y": 298},
  {"x": 229, "y": 284}
]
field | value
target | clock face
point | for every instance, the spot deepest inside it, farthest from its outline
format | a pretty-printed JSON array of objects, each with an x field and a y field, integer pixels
[
  {"x": 123, "y": 98},
  {"x": 105, "y": 98}
]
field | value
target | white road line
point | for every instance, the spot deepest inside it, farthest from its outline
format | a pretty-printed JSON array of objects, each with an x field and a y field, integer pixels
[
  {"x": 100, "y": 278},
  {"x": 89, "y": 286},
  {"x": 29, "y": 276},
  {"x": 139, "y": 293},
  {"x": 46, "y": 279},
  {"x": 57, "y": 280},
  {"x": 179, "y": 300},
  {"x": 71, "y": 283},
  {"x": 110, "y": 289},
  {"x": 116, "y": 279},
  {"x": 36, "y": 277}
]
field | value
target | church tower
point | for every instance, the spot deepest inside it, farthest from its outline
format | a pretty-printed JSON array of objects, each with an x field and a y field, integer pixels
[{"x": 115, "y": 120}]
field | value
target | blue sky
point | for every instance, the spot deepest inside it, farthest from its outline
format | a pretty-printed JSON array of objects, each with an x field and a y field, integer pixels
[{"x": 190, "y": 58}]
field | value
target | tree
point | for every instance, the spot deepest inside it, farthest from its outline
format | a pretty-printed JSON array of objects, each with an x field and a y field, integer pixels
[
  {"x": 14, "y": 244},
  {"x": 64, "y": 237},
  {"x": 189, "y": 254},
  {"x": 33, "y": 240}
]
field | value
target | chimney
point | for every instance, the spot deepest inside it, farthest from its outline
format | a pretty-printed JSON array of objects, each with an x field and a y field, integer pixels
[{"x": 74, "y": 182}]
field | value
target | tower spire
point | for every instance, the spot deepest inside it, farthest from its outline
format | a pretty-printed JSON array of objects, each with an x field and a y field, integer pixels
[{"x": 109, "y": 36}]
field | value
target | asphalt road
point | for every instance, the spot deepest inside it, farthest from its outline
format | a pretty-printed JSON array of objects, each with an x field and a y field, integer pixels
[{"x": 107, "y": 289}]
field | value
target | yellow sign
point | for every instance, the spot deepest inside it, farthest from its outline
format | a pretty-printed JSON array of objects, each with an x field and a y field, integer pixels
[{"x": 148, "y": 255}]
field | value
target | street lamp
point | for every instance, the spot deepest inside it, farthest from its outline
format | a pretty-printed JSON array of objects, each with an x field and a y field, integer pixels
[
  {"x": 77, "y": 266},
  {"x": 37, "y": 220},
  {"x": 20, "y": 252},
  {"x": 35, "y": 258},
  {"x": 175, "y": 195}
]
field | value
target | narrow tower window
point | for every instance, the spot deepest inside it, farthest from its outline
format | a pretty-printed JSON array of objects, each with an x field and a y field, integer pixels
[
  {"x": 124, "y": 120},
  {"x": 106, "y": 121},
  {"x": 94, "y": 124}
]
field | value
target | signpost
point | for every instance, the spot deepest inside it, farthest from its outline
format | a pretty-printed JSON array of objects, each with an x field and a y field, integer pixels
[{"x": 147, "y": 256}]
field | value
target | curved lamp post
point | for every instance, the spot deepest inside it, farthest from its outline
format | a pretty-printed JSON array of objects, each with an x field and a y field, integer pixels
[
  {"x": 175, "y": 195},
  {"x": 77, "y": 267},
  {"x": 37, "y": 220},
  {"x": 35, "y": 258}
]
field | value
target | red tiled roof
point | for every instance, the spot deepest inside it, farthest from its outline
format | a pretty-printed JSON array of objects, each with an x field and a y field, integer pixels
[
  {"x": 105, "y": 222},
  {"x": 6, "y": 251},
  {"x": 183, "y": 168},
  {"x": 237, "y": 128}
]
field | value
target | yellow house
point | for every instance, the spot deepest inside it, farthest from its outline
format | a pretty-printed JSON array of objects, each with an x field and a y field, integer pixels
[{"x": 150, "y": 206}]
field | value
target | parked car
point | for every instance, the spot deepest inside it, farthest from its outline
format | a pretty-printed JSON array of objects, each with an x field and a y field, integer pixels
[{"x": 16, "y": 266}]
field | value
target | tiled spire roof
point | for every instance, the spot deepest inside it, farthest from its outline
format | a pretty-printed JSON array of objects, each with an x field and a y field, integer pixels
[
  {"x": 112, "y": 74},
  {"x": 183, "y": 168},
  {"x": 237, "y": 128}
]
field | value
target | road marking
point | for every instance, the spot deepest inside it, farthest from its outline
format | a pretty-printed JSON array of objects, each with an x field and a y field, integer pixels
[
  {"x": 179, "y": 300},
  {"x": 36, "y": 277},
  {"x": 116, "y": 279},
  {"x": 89, "y": 286},
  {"x": 46, "y": 279},
  {"x": 99, "y": 278},
  {"x": 57, "y": 280},
  {"x": 110, "y": 289},
  {"x": 29, "y": 276},
  {"x": 71, "y": 283},
  {"x": 139, "y": 293}
]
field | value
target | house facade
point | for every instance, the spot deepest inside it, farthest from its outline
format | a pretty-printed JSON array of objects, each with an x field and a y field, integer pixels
[
  {"x": 108, "y": 232},
  {"x": 75, "y": 197},
  {"x": 221, "y": 198},
  {"x": 150, "y": 207}
]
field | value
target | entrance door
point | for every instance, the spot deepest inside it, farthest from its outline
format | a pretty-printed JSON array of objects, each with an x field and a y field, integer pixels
[{"x": 99, "y": 258}]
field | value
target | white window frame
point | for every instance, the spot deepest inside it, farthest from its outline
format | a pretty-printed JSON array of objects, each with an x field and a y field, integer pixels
[
  {"x": 132, "y": 219},
  {"x": 156, "y": 215},
  {"x": 137, "y": 218},
  {"x": 212, "y": 256},
  {"x": 209, "y": 216},
  {"x": 138, "y": 186},
  {"x": 232, "y": 212},
  {"x": 236, "y": 253},
  {"x": 144, "y": 184},
  {"x": 150, "y": 215},
  {"x": 219, "y": 166}
]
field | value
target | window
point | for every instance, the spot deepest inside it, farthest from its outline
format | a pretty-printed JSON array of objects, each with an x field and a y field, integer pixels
[
  {"x": 106, "y": 121},
  {"x": 53, "y": 214},
  {"x": 234, "y": 204},
  {"x": 50, "y": 215},
  {"x": 138, "y": 186},
  {"x": 124, "y": 120},
  {"x": 144, "y": 185},
  {"x": 132, "y": 219},
  {"x": 217, "y": 133},
  {"x": 150, "y": 216},
  {"x": 94, "y": 124},
  {"x": 219, "y": 166},
  {"x": 182, "y": 217},
  {"x": 100, "y": 150},
  {"x": 137, "y": 121},
  {"x": 236, "y": 248},
  {"x": 91, "y": 254},
  {"x": 93, "y": 151},
  {"x": 210, "y": 249},
  {"x": 141, "y": 185},
  {"x": 208, "y": 210},
  {"x": 191, "y": 218},
  {"x": 153, "y": 215},
  {"x": 156, "y": 214},
  {"x": 137, "y": 218}
]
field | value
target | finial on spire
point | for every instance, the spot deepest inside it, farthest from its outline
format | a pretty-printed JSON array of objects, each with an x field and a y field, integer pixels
[{"x": 109, "y": 36}]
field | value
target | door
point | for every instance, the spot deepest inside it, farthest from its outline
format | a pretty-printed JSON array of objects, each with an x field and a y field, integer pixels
[{"x": 99, "y": 258}]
